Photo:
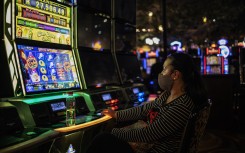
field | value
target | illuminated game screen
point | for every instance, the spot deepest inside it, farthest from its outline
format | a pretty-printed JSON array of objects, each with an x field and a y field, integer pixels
[
  {"x": 44, "y": 21},
  {"x": 129, "y": 68},
  {"x": 99, "y": 68},
  {"x": 45, "y": 69}
]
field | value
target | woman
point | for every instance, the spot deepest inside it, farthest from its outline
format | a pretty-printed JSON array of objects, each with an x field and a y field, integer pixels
[{"x": 166, "y": 117}]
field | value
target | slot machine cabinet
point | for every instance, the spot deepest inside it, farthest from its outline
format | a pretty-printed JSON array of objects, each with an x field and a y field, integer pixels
[
  {"x": 136, "y": 95},
  {"x": 133, "y": 88},
  {"x": 15, "y": 137},
  {"x": 213, "y": 61},
  {"x": 99, "y": 100},
  {"x": 48, "y": 111}
]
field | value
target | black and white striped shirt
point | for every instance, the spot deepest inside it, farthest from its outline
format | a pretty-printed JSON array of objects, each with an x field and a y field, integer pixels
[{"x": 165, "y": 130}]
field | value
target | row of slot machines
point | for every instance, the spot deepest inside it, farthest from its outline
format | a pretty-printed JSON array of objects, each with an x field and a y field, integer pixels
[
  {"x": 30, "y": 123},
  {"x": 42, "y": 61}
]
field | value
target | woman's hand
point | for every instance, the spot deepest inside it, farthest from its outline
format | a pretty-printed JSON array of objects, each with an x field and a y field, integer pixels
[{"x": 110, "y": 112}]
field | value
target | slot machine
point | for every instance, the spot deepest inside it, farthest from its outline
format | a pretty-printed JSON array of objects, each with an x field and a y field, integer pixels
[
  {"x": 101, "y": 80},
  {"x": 129, "y": 70},
  {"x": 14, "y": 137},
  {"x": 213, "y": 61},
  {"x": 39, "y": 44},
  {"x": 95, "y": 60}
]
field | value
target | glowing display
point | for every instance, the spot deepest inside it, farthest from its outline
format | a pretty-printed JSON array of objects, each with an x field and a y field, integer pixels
[
  {"x": 43, "y": 20},
  {"x": 136, "y": 90},
  {"x": 58, "y": 106},
  {"x": 45, "y": 69},
  {"x": 106, "y": 97}
]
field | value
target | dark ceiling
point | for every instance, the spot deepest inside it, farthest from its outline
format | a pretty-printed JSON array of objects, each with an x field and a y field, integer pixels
[{"x": 184, "y": 19}]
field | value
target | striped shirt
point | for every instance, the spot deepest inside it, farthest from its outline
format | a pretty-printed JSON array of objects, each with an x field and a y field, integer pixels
[{"x": 165, "y": 130}]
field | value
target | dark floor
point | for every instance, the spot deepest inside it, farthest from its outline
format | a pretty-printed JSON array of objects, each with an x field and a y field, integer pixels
[{"x": 222, "y": 141}]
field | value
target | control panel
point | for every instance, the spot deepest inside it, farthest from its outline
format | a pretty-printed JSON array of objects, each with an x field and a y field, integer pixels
[
  {"x": 136, "y": 94},
  {"x": 100, "y": 100},
  {"x": 47, "y": 111}
]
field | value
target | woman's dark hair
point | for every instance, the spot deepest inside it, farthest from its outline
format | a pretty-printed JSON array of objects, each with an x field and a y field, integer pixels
[{"x": 194, "y": 85}]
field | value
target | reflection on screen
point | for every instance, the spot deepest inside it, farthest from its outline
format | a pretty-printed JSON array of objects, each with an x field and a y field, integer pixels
[
  {"x": 129, "y": 68},
  {"x": 94, "y": 31},
  {"x": 125, "y": 37},
  {"x": 46, "y": 69},
  {"x": 98, "y": 67}
]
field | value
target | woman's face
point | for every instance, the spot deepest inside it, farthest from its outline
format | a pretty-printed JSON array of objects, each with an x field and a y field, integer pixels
[
  {"x": 167, "y": 67},
  {"x": 165, "y": 79}
]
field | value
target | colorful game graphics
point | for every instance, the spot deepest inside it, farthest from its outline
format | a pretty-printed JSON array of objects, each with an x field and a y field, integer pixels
[{"x": 47, "y": 69}]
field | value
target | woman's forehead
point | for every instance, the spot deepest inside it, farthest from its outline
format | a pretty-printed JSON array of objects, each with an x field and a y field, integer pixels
[{"x": 167, "y": 62}]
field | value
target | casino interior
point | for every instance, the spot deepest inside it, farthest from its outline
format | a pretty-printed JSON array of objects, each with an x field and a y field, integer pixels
[{"x": 91, "y": 49}]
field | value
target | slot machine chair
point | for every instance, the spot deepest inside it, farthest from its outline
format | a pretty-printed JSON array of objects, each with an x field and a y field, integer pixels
[{"x": 195, "y": 128}]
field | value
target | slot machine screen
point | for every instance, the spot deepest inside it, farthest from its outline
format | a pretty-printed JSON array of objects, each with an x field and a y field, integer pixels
[
  {"x": 44, "y": 21},
  {"x": 47, "y": 69},
  {"x": 129, "y": 67},
  {"x": 98, "y": 68},
  {"x": 93, "y": 30},
  {"x": 125, "y": 37}
]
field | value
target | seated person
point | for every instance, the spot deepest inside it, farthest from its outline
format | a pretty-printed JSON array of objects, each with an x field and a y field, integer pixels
[{"x": 162, "y": 121}]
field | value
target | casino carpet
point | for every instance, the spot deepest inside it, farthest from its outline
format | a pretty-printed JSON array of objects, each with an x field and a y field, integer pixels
[{"x": 214, "y": 141}]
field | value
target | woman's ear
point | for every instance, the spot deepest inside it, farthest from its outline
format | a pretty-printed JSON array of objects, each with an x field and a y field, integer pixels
[{"x": 176, "y": 75}]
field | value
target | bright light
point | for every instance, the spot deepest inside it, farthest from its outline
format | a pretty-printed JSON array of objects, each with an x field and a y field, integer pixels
[
  {"x": 222, "y": 42},
  {"x": 160, "y": 28},
  {"x": 204, "y": 19},
  {"x": 149, "y": 41},
  {"x": 177, "y": 44},
  {"x": 150, "y": 14},
  {"x": 225, "y": 51},
  {"x": 156, "y": 40},
  {"x": 144, "y": 30}
]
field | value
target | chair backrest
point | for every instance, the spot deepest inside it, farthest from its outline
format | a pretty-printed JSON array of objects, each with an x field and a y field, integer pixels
[{"x": 195, "y": 129}]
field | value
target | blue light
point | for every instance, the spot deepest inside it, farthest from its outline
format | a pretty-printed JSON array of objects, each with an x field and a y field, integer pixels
[
  {"x": 151, "y": 82},
  {"x": 141, "y": 97},
  {"x": 222, "y": 42}
]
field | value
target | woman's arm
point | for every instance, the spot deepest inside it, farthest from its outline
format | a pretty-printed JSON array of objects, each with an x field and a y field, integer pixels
[
  {"x": 167, "y": 123},
  {"x": 134, "y": 113}
]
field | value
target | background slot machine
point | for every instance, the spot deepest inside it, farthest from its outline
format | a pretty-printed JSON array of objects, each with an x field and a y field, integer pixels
[
  {"x": 213, "y": 61},
  {"x": 101, "y": 79},
  {"x": 96, "y": 63},
  {"x": 132, "y": 81}
]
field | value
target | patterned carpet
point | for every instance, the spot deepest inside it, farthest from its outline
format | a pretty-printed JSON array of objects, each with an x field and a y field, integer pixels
[{"x": 222, "y": 142}]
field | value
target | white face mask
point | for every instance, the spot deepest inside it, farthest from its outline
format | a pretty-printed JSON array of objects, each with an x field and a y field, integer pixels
[{"x": 165, "y": 82}]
